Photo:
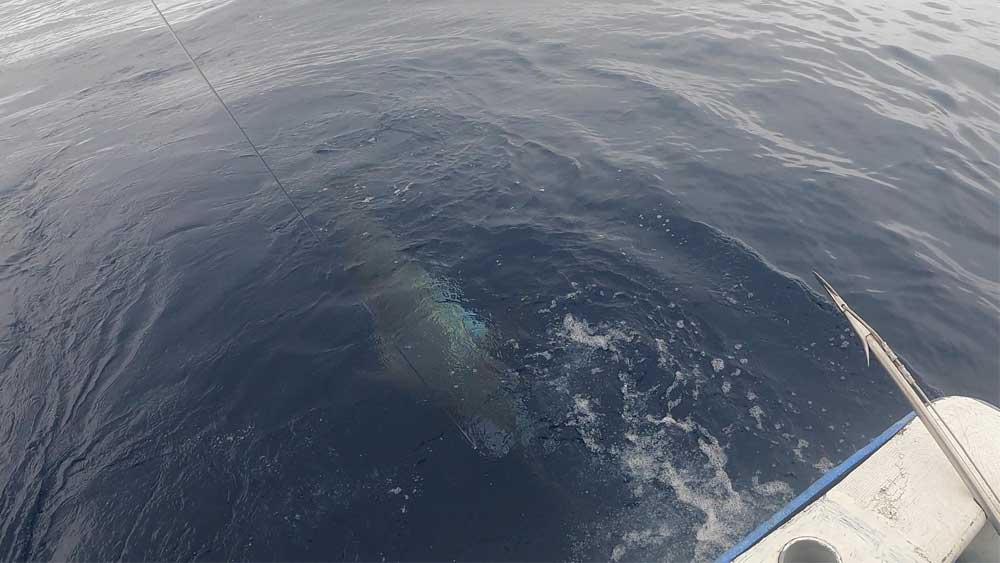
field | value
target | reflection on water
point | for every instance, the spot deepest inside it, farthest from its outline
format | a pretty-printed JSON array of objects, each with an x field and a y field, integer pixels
[{"x": 31, "y": 28}]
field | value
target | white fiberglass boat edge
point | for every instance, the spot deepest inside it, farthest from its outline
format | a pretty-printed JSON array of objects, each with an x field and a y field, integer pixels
[{"x": 923, "y": 490}]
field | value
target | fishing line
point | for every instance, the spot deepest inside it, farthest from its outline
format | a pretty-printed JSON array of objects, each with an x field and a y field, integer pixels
[
  {"x": 236, "y": 122},
  {"x": 298, "y": 211}
]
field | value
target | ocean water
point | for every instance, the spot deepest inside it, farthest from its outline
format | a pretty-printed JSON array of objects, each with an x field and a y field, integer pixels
[{"x": 553, "y": 300}]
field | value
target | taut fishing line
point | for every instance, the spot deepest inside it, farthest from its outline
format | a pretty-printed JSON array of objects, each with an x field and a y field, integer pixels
[{"x": 298, "y": 210}]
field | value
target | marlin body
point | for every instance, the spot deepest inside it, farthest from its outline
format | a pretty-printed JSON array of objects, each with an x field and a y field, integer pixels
[
  {"x": 422, "y": 333},
  {"x": 425, "y": 335}
]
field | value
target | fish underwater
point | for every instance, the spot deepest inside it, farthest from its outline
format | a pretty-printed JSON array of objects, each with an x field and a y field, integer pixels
[
  {"x": 426, "y": 336},
  {"x": 421, "y": 330}
]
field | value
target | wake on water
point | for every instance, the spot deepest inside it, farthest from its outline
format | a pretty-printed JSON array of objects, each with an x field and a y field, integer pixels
[{"x": 666, "y": 461}]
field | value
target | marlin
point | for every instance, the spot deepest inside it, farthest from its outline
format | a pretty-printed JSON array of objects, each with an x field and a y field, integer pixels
[
  {"x": 425, "y": 334},
  {"x": 422, "y": 331}
]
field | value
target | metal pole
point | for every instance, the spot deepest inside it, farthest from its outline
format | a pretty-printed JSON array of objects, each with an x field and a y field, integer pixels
[{"x": 973, "y": 478}]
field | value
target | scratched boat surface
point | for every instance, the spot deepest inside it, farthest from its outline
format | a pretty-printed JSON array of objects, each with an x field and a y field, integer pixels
[{"x": 904, "y": 502}]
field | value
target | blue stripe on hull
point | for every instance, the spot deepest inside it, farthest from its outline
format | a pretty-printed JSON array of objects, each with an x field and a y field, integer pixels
[{"x": 814, "y": 491}]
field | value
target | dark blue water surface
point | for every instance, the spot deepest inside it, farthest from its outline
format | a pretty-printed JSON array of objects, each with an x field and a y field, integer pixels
[{"x": 558, "y": 306}]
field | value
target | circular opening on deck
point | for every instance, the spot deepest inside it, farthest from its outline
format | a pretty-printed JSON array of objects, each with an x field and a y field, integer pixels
[{"x": 808, "y": 550}]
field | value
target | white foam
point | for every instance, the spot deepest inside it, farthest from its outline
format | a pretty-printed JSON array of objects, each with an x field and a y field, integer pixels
[
  {"x": 587, "y": 423},
  {"x": 663, "y": 356},
  {"x": 686, "y": 425},
  {"x": 647, "y": 458},
  {"x": 797, "y": 450},
  {"x": 560, "y": 384},
  {"x": 758, "y": 414},
  {"x": 639, "y": 538},
  {"x": 772, "y": 488},
  {"x": 580, "y": 332},
  {"x": 654, "y": 452},
  {"x": 824, "y": 464}
]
